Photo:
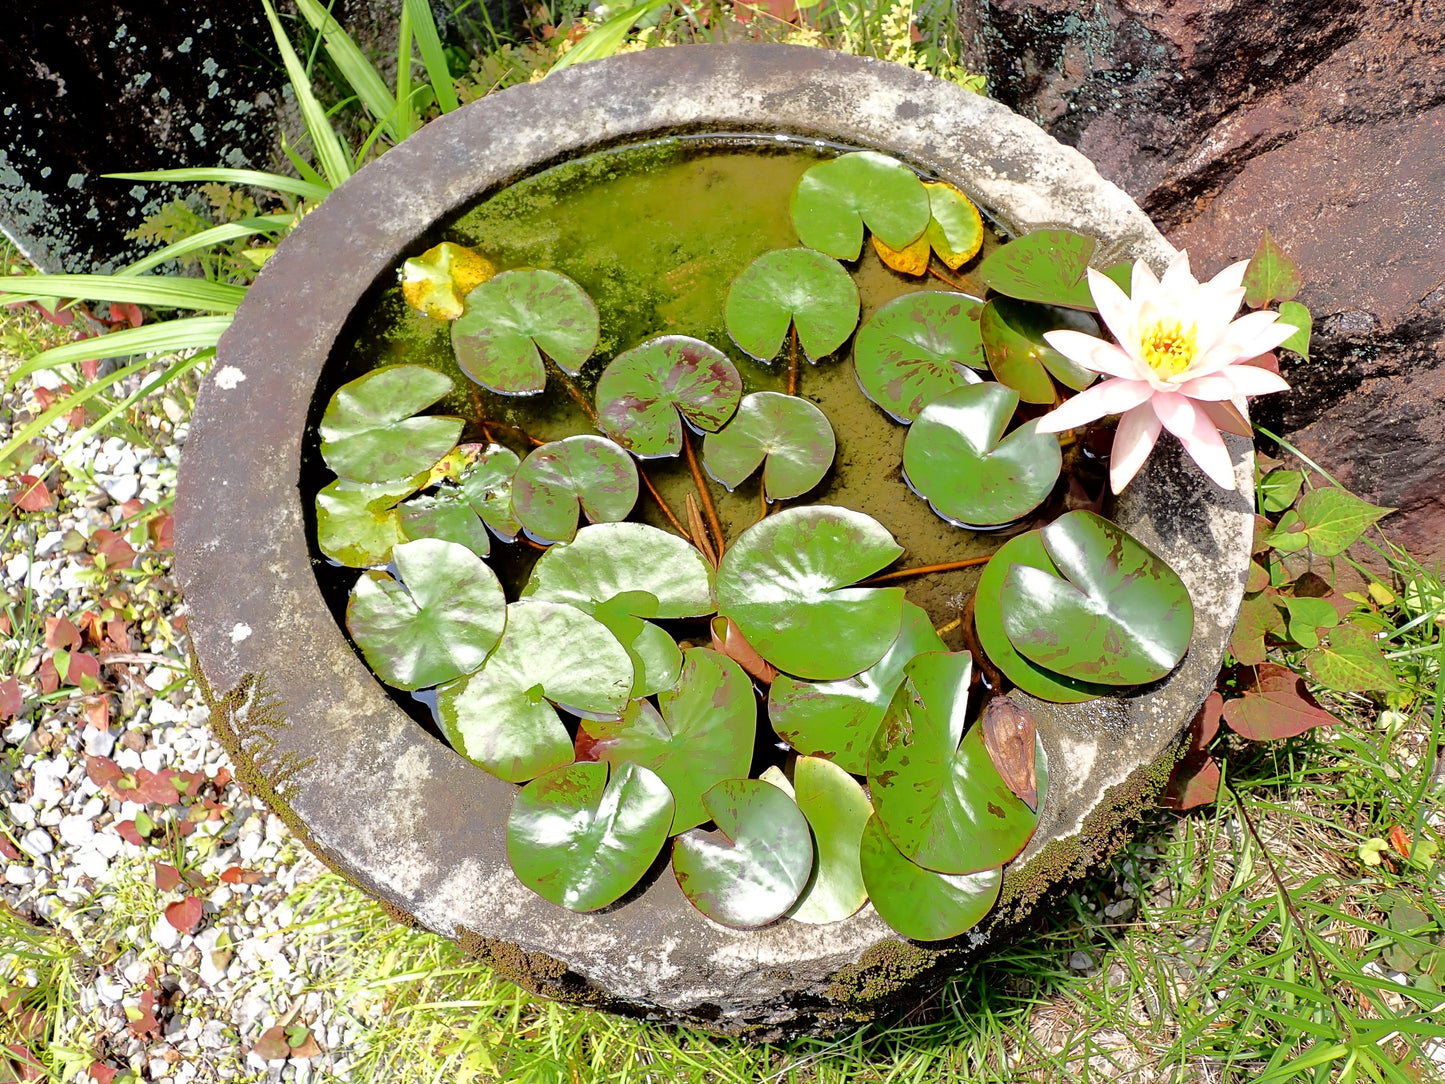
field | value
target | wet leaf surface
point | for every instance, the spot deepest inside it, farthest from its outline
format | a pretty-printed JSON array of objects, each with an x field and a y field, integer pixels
[
  {"x": 754, "y": 867},
  {"x": 786, "y": 435},
  {"x": 1047, "y": 266},
  {"x": 561, "y": 479},
  {"x": 785, "y": 582},
  {"x": 1116, "y": 613},
  {"x": 835, "y": 199},
  {"x": 837, "y": 719},
  {"x": 791, "y": 287},
  {"x": 918, "y": 902},
  {"x": 646, "y": 393},
  {"x": 1298, "y": 317},
  {"x": 729, "y": 639},
  {"x": 437, "y": 621},
  {"x": 911, "y": 259},
  {"x": 511, "y": 317},
  {"x": 501, "y": 717},
  {"x": 955, "y": 228},
  {"x": 487, "y": 483},
  {"x": 656, "y": 658},
  {"x": 581, "y": 840},
  {"x": 1013, "y": 340},
  {"x": 446, "y": 514},
  {"x": 934, "y": 787},
  {"x": 956, "y": 457},
  {"x": 700, "y": 734},
  {"x": 916, "y": 348},
  {"x": 1276, "y": 704},
  {"x": 1010, "y": 736},
  {"x": 836, "y": 809},
  {"x": 437, "y": 282},
  {"x": 369, "y": 434},
  {"x": 357, "y": 523}
]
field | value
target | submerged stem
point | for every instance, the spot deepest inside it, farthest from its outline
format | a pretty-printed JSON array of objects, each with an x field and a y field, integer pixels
[
  {"x": 944, "y": 278},
  {"x": 793, "y": 362},
  {"x": 661, "y": 503},
  {"x": 703, "y": 492},
  {"x": 574, "y": 391},
  {"x": 924, "y": 570}
]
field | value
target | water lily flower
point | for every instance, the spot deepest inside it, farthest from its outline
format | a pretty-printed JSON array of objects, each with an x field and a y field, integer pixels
[{"x": 1179, "y": 358}]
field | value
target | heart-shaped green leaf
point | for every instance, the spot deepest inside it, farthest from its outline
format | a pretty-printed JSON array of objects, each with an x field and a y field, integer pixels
[
  {"x": 582, "y": 840},
  {"x": 837, "y": 719},
  {"x": 487, "y": 483},
  {"x": 1048, "y": 266},
  {"x": 646, "y": 393},
  {"x": 511, "y": 317},
  {"x": 955, "y": 228},
  {"x": 357, "y": 522},
  {"x": 440, "y": 620},
  {"x": 917, "y": 347},
  {"x": 606, "y": 560},
  {"x": 368, "y": 433},
  {"x": 1024, "y": 550},
  {"x": 437, "y": 282},
  {"x": 1119, "y": 615},
  {"x": 446, "y": 514},
  {"x": 1013, "y": 339},
  {"x": 917, "y": 902},
  {"x": 834, "y": 200},
  {"x": 656, "y": 658},
  {"x": 500, "y": 717},
  {"x": 754, "y": 867},
  {"x": 784, "y": 582},
  {"x": 702, "y": 735},
  {"x": 791, "y": 287},
  {"x": 788, "y": 434},
  {"x": 558, "y": 480},
  {"x": 837, "y": 809},
  {"x": 957, "y": 458},
  {"x": 935, "y": 788}
]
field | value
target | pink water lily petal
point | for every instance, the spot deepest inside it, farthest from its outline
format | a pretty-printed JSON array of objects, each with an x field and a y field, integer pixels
[
  {"x": 1134, "y": 439},
  {"x": 1143, "y": 280},
  {"x": 1215, "y": 308},
  {"x": 1253, "y": 334},
  {"x": 1096, "y": 355},
  {"x": 1177, "y": 277},
  {"x": 1114, "y": 305},
  {"x": 1233, "y": 380},
  {"x": 1110, "y": 397},
  {"x": 1227, "y": 418},
  {"x": 1182, "y": 417},
  {"x": 1232, "y": 277}
]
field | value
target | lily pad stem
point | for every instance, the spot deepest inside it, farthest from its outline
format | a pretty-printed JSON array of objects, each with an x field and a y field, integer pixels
[
  {"x": 661, "y": 503},
  {"x": 793, "y": 362},
  {"x": 923, "y": 570},
  {"x": 944, "y": 278},
  {"x": 574, "y": 391},
  {"x": 700, "y": 482}
]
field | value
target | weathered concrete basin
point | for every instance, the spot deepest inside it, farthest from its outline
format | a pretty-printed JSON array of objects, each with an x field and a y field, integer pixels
[{"x": 411, "y": 821}]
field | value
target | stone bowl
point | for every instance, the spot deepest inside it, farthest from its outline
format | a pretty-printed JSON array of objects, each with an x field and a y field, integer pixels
[{"x": 393, "y": 809}]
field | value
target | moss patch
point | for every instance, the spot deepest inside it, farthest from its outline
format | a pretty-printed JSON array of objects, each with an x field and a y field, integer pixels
[
  {"x": 537, "y": 972},
  {"x": 881, "y": 973}
]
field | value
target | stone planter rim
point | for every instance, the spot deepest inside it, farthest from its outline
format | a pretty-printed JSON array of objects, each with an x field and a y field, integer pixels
[{"x": 409, "y": 819}]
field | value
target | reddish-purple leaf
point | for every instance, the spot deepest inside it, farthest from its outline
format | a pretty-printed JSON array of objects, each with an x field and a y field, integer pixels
[
  {"x": 11, "y": 702},
  {"x": 102, "y": 1073},
  {"x": 729, "y": 639},
  {"x": 1258, "y": 578},
  {"x": 159, "y": 787},
  {"x": 185, "y": 914},
  {"x": 1009, "y": 736},
  {"x": 31, "y": 495},
  {"x": 8, "y": 850},
  {"x": 167, "y": 878},
  {"x": 104, "y": 773},
  {"x": 130, "y": 833},
  {"x": 272, "y": 1044},
  {"x": 1195, "y": 782},
  {"x": 61, "y": 633},
  {"x": 1258, "y": 615},
  {"x": 112, "y": 549},
  {"x": 1205, "y": 724},
  {"x": 84, "y": 672},
  {"x": 1277, "y": 705}
]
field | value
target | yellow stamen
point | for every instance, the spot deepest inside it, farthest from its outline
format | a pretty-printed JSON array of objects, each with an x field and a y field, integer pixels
[{"x": 1168, "y": 346}]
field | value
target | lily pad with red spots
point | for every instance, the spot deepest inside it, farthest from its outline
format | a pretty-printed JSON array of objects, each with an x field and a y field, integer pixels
[
  {"x": 559, "y": 481},
  {"x": 646, "y": 394},
  {"x": 917, "y": 347},
  {"x": 513, "y": 319}
]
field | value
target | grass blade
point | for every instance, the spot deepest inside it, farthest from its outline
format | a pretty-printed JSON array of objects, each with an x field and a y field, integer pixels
[
  {"x": 355, "y": 68},
  {"x": 231, "y": 231},
  {"x": 330, "y": 155},
  {"x": 429, "y": 42},
  {"x": 276, "y": 182},
  {"x": 607, "y": 38},
  {"x": 403, "y": 67},
  {"x": 163, "y": 338},
  {"x": 61, "y": 407},
  {"x": 161, "y": 291}
]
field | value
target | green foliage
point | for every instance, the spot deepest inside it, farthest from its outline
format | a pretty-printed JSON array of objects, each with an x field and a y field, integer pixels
[
  {"x": 836, "y": 809},
  {"x": 1271, "y": 275},
  {"x": 369, "y": 432},
  {"x": 1046, "y": 266},
  {"x": 646, "y": 393},
  {"x": 835, "y": 199},
  {"x": 512, "y": 319},
  {"x": 562, "y": 479},
  {"x": 791, "y": 287},
  {"x": 921, "y": 903},
  {"x": 1013, "y": 341},
  {"x": 917, "y": 347},
  {"x": 787, "y": 436},
  {"x": 357, "y": 523}
]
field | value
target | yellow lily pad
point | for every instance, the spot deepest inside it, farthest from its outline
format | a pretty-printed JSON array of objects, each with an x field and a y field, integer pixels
[{"x": 437, "y": 282}]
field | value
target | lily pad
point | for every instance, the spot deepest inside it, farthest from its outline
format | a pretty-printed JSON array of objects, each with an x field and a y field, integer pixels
[
  {"x": 917, "y": 902},
  {"x": 784, "y": 582},
  {"x": 561, "y": 479},
  {"x": 1013, "y": 339},
  {"x": 1048, "y": 266},
  {"x": 437, "y": 282},
  {"x": 487, "y": 483},
  {"x": 955, "y": 228},
  {"x": 935, "y": 788},
  {"x": 582, "y": 840},
  {"x": 1114, "y": 614},
  {"x": 515, "y": 317},
  {"x": 438, "y": 620},
  {"x": 1025, "y": 550},
  {"x": 957, "y": 458},
  {"x": 702, "y": 734},
  {"x": 446, "y": 514},
  {"x": 755, "y": 866},
  {"x": 369, "y": 434},
  {"x": 785, "y": 434},
  {"x": 917, "y": 347},
  {"x": 501, "y": 717},
  {"x": 646, "y": 393},
  {"x": 357, "y": 523},
  {"x": 606, "y": 560},
  {"x": 834, "y": 200},
  {"x": 791, "y": 287},
  {"x": 837, "y": 809},
  {"x": 837, "y": 719},
  {"x": 912, "y": 259},
  {"x": 656, "y": 658}
]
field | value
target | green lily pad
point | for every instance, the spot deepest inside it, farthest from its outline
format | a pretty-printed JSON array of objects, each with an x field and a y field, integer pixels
[
  {"x": 656, "y": 658},
  {"x": 581, "y": 840},
  {"x": 368, "y": 433},
  {"x": 357, "y": 523},
  {"x": 917, "y": 902},
  {"x": 1048, "y": 266},
  {"x": 563, "y": 478},
  {"x": 1024, "y": 550},
  {"x": 702, "y": 734},
  {"x": 487, "y": 483},
  {"x": 437, "y": 282},
  {"x": 935, "y": 788},
  {"x": 1115, "y": 613},
  {"x": 791, "y": 287},
  {"x": 787, "y": 435},
  {"x": 834, "y": 200},
  {"x": 955, "y": 228},
  {"x": 837, "y": 809},
  {"x": 956, "y": 457},
  {"x": 501, "y": 717},
  {"x": 1013, "y": 339},
  {"x": 446, "y": 514},
  {"x": 646, "y": 393},
  {"x": 917, "y": 347},
  {"x": 438, "y": 620},
  {"x": 837, "y": 719},
  {"x": 784, "y": 583},
  {"x": 515, "y": 317},
  {"x": 755, "y": 866}
]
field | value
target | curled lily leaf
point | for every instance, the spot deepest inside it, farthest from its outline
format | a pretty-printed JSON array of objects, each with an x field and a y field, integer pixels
[{"x": 437, "y": 282}]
